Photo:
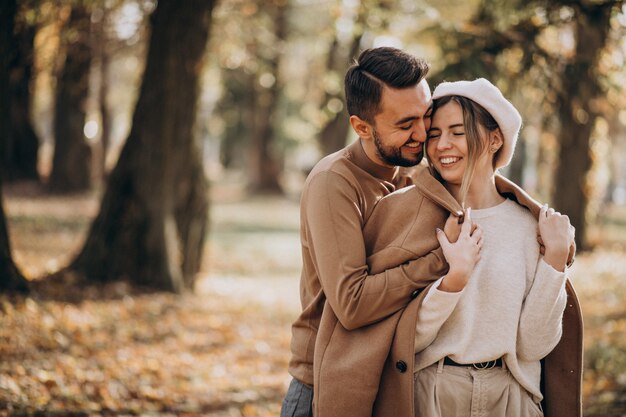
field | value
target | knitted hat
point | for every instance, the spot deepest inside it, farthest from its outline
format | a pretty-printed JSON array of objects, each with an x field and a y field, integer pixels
[{"x": 489, "y": 96}]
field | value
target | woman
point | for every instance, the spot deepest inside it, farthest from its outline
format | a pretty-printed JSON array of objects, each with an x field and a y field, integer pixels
[{"x": 481, "y": 339}]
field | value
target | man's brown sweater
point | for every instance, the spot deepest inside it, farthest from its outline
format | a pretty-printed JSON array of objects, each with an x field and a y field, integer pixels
[{"x": 337, "y": 199}]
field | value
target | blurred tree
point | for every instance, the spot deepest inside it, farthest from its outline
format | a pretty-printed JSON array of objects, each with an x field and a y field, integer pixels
[
  {"x": 71, "y": 164},
  {"x": 578, "y": 96},
  {"x": 236, "y": 107},
  {"x": 570, "y": 82},
  {"x": 112, "y": 49},
  {"x": 102, "y": 57},
  {"x": 334, "y": 132},
  {"x": 22, "y": 143},
  {"x": 153, "y": 218},
  {"x": 251, "y": 55},
  {"x": 10, "y": 277},
  {"x": 344, "y": 48},
  {"x": 264, "y": 163}
]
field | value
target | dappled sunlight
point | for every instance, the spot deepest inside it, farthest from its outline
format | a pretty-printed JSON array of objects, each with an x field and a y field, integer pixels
[{"x": 140, "y": 100}]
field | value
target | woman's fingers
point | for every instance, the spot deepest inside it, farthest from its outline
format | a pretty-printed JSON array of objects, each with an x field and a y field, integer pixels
[
  {"x": 466, "y": 228},
  {"x": 442, "y": 238},
  {"x": 477, "y": 235},
  {"x": 452, "y": 228}
]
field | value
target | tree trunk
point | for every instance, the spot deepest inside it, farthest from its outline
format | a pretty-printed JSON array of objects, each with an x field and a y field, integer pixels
[
  {"x": 105, "y": 113},
  {"x": 10, "y": 277},
  {"x": 236, "y": 109},
  {"x": 334, "y": 134},
  {"x": 153, "y": 218},
  {"x": 102, "y": 57},
  {"x": 71, "y": 169},
  {"x": 577, "y": 115},
  {"x": 265, "y": 168},
  {"x": 23, "y": 145}
]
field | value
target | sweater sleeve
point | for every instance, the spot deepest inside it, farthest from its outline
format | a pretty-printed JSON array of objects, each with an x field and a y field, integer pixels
[
  {"x": 334, "y": 222},
  {"x": 436, "y": 307},
  {"x": 540, "y": 326}
]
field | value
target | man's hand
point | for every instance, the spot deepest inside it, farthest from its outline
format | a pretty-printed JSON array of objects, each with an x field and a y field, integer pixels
[{"x": 556, "y": 235}]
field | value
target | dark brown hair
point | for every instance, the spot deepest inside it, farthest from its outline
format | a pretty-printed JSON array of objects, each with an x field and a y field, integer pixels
[{"x": 377, "y": 67}]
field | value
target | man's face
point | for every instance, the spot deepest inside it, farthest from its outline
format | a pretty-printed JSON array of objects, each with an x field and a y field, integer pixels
[{"x": 399, "y": 129}]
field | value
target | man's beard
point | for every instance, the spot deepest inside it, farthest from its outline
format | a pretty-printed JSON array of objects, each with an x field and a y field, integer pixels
[{"x": 393, "y": 156}]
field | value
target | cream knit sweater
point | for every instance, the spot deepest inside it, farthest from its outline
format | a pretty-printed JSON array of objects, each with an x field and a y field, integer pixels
[{"x": 511, "y": 307}]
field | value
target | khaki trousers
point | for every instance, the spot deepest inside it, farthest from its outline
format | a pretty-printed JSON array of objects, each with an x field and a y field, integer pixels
[{"x": 455, "y": 391}]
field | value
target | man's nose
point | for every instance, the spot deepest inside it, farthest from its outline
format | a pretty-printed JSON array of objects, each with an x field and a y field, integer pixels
[{"x": 419, "y": 132}]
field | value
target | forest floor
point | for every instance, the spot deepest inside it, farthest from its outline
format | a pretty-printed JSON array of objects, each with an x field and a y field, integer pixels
[{"x": 222, "y": 351}]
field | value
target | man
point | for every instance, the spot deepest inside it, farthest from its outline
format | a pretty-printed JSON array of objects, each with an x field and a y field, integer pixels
[{"x": 389, "y": 104}]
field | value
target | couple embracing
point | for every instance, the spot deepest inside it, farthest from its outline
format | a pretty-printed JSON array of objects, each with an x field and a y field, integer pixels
[{"x": 430, "y": 289}]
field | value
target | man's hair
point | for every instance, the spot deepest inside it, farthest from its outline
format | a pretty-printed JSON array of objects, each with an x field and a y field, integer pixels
[{"x": 377, "y": 67}]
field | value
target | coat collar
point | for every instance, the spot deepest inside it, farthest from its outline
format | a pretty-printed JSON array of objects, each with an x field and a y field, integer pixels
[
  {"x": 512, "y": 191},
  {"x": 434, "y": 190}
]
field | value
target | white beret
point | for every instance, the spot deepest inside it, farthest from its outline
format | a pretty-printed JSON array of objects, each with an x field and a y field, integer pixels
[{"x": 489, "y": 96}]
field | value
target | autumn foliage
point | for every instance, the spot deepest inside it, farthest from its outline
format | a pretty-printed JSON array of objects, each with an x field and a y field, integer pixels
[{"x": 75, "y": 349}]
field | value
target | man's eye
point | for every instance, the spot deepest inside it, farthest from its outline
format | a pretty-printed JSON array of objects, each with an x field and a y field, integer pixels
[
  {"x": 427, "y": 116},
  {"x": 405, "y": 127}
]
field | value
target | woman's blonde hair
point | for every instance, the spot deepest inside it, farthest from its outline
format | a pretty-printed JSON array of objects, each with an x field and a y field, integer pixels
[{"x": 475, "y": 116}]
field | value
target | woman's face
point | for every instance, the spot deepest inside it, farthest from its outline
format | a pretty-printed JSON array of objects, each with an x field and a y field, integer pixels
[{"x": 447, "y": 145}]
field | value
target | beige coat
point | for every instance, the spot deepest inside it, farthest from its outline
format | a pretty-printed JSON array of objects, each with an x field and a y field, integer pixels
[
  {"x": 369, "y": 371},
  {"x": 338, "y": 197}
]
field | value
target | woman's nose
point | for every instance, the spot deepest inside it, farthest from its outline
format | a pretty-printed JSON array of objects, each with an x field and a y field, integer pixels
[{"x": 443, "y": 142}]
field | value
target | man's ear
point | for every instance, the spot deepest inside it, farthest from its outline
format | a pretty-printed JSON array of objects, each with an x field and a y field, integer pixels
[{"x": 360, "y": 126}]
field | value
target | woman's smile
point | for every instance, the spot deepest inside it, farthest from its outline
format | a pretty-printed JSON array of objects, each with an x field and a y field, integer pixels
[{"x": 449, "y": 161}]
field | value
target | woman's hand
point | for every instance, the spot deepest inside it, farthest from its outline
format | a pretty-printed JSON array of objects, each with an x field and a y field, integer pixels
[
  {"x": 556, "y": 235},
  {"x": 452, "y": 228},
  {"x": 462, "y": 255}
]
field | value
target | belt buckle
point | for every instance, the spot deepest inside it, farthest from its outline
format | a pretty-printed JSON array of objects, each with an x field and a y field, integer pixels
[{"x": 485, "y": 365}]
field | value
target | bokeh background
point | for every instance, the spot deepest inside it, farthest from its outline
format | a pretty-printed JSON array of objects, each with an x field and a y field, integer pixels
[{"x": 152, "y": 155}]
